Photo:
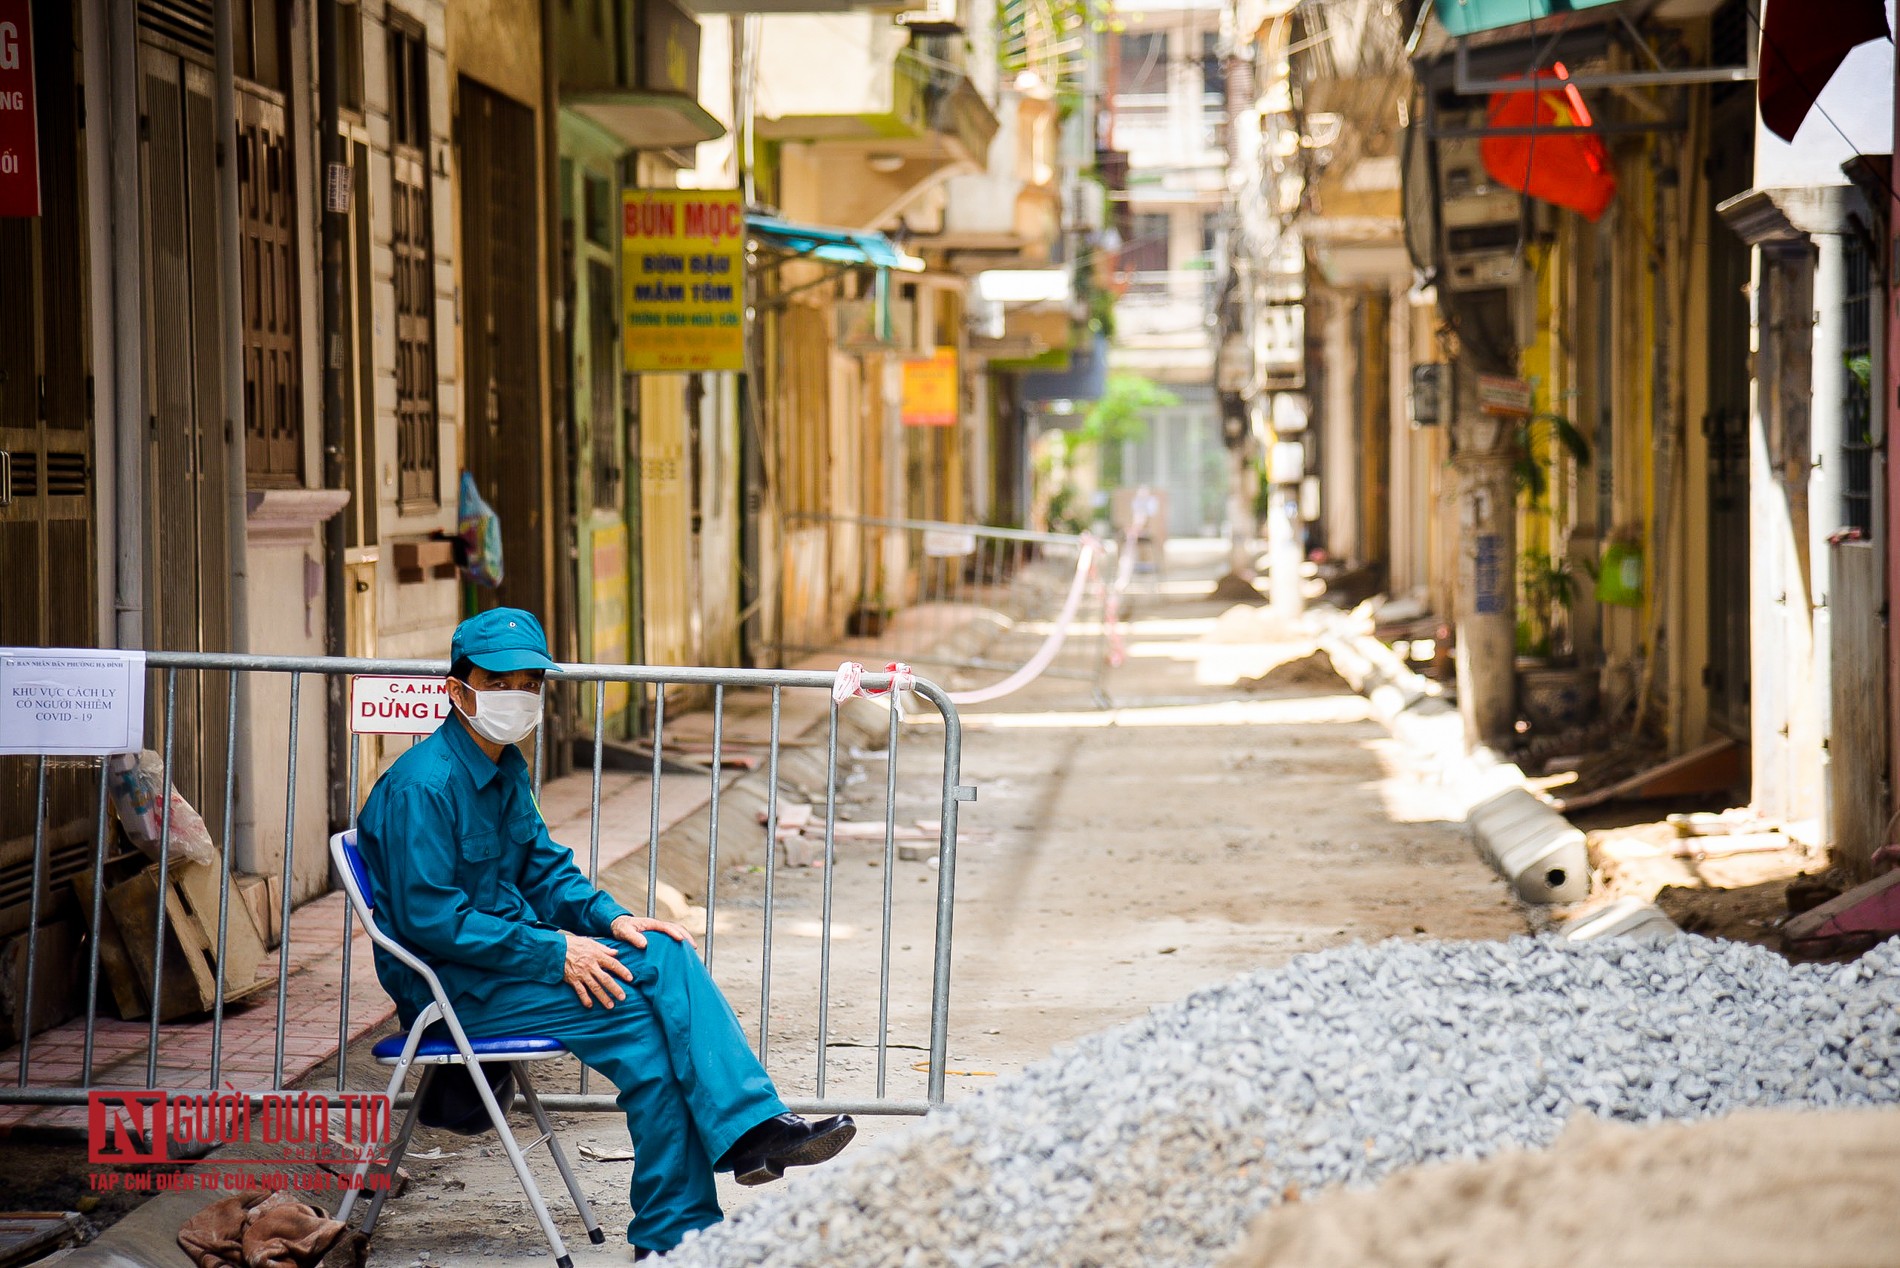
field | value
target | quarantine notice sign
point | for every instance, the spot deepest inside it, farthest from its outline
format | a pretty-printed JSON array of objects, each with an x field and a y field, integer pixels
[{"x": 683, "y": 297}]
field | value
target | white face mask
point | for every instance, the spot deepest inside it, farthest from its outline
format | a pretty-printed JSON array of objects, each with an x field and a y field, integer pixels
[{"x": 505, "y": 717}]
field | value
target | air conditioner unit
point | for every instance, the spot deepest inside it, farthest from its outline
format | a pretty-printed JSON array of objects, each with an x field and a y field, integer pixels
[
  {"x": 936, "y": 17},
  {"x": 1479, "y": 218},
  {"x": 1280, "y": 343}
]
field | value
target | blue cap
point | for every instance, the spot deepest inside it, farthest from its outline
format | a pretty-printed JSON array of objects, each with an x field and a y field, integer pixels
[{"x": 501, "y": 640}]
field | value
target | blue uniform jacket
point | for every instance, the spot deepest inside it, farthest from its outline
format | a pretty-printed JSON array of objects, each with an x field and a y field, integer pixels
[{"x": 465, "y": 874}]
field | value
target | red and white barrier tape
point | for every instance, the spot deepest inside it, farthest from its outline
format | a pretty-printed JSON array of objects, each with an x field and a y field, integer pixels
[
  {"x": 1111, "y": 602},
  {"x": 1085, "y": 567},
  {"x": 850, "y": 677},
  {"x": 850, "y": 681}
]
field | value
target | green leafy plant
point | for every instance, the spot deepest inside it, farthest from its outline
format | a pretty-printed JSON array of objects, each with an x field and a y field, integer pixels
[
  {"x": 1119, "y": 416},
  {"x": 1861, "y": 366},
  {"x": 1549, "y": 589},
  {"x": 1101, "y": 311},
  {"x": 1066, "y": 513},
  {"x": 1540, "y": 438},
  {"x": 1121, "y": 413}
]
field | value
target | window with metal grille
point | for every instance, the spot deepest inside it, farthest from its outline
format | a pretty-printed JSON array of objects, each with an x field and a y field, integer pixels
[
  {"x": 412, "y": 244},
  {"x": 273, "y": 399},
  {"x": 1857, "y": 442},
  {"x": 1146, "y": 251},
  {"x": 349, "y": 56},
  {"x": 1142, "y": 63},
  {"x": 601, "y": 221},
  {"x": 1213, "y": 75},
  {"x": 603, "y": 369},
  {"x": 259, "y": 44}
]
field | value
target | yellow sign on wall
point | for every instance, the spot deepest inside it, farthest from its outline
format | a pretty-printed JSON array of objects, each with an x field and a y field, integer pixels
[
  {"x": 930, "y": 390},
  {"x": 612, "y": 632},
  {"x": 683, "y": 293}
]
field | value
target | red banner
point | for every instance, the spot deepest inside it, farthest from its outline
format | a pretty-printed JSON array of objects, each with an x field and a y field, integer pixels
[{"x": 19, "y": 118}]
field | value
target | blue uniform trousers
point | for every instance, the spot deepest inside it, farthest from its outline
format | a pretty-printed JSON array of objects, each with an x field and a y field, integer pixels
[{"x": 689, "y": 1083}]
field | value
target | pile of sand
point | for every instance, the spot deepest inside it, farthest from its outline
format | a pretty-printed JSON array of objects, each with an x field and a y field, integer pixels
[{"x": 1782, "y": 1187}]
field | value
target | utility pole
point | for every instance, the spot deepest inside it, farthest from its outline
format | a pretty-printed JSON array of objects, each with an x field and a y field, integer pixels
[
  {"x": 1485, "y": 597},
  {"x": 337, "y": 181},
  {"x": 1240, "y": 518},
  {"x": 1286, "y": 468}
]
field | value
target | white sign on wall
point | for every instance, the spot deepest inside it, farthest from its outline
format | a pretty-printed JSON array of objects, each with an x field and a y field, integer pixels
[
  {"x": 71, "y": 701},
  {"x": 944, "y": 543},
  {"x": 398, "y": 706}
]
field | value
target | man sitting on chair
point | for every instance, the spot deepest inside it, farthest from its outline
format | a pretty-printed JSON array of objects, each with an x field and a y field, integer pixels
[{"x": 468, "y": 879}]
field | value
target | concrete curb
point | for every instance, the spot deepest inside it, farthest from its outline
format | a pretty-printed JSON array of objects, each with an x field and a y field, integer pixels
[{"x": 1533, "y": 847}]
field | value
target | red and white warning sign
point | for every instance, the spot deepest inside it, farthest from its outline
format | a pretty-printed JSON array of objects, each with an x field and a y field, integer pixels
[
  {"x": 398, "y": 706},
  {"x": 19, "y": 116}
]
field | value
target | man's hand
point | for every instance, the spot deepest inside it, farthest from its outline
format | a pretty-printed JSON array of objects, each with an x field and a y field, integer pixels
[
  {"x": 591, "y": 969},
  {"x": 633, "y": 929}
]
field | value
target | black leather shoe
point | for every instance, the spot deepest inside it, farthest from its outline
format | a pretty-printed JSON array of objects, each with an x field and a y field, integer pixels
[
  {"x": 786, "y": 1140},
  {"x": 639, "y": 1253}
]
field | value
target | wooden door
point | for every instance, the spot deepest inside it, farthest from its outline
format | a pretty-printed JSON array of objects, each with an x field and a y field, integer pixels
[
  {"x": 500, "y": 328},
  {"x": 187, "y": 561}
]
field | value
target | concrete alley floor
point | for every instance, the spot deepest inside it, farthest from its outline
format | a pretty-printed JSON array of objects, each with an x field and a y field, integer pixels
[{"x": 1236, "y": 807}]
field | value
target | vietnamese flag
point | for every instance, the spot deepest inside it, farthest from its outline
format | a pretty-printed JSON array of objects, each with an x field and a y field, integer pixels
[{"x": 1569, "y": 169}]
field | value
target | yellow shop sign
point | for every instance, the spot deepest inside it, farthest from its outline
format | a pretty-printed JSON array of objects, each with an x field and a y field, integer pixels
[{"x": 683, "y": 293}]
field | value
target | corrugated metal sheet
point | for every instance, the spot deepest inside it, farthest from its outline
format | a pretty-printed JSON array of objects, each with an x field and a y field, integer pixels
[{"x": 802, "y": 419}]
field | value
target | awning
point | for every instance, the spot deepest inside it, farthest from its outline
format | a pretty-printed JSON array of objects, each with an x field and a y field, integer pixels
[
  {"x": 1802, "y": 47},
  {"x": 1466, "y": 17},
  {"x": 646, "y": 120},
  {"x": 838, "y": 246}
]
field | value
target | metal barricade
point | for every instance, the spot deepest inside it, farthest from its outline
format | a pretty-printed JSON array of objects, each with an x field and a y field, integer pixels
[
  {"x": 950, "y": 596},
  {"x": 745, "y": 970}
]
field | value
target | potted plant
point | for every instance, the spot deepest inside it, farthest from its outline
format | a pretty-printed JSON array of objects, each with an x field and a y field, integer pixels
[
  {"x": 870, "y": 617},
  {"x": 1554, "y": 690}
]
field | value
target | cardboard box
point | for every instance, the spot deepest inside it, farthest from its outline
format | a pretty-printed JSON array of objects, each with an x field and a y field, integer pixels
[
  {"x": 264, "y": 895},
  {"x": 58, "y": 986},
  {"x": 193, "y": 975}
]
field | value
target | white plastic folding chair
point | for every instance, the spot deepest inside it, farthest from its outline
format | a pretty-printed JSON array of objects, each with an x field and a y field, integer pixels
[{"x": 432, "y": 1051}]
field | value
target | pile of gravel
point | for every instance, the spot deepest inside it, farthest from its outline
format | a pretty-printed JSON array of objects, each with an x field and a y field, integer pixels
[{"x": 1162, "y": 1137}]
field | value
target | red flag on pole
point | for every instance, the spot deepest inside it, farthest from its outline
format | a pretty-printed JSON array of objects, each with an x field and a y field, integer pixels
[{"x": 1568, "y": 168}]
